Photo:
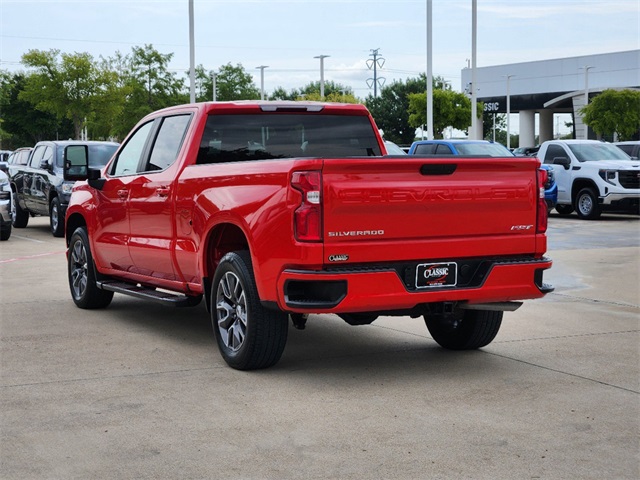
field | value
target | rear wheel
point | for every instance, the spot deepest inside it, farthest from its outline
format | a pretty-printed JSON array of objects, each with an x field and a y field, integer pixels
[
  {"x": 564, "y": 209},
  {"x": 56, "y": 221},
  {"x": 465, "y": 329},
  {"x": 5, "y": 231},
  {"x": 82, "y": 277},
  {"x": 249, "y": 336},
  {"x": 587, "y": 206},
  {"x": 19, "y": 217}
]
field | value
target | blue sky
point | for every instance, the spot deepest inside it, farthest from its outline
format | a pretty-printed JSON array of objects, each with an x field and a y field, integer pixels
[{"x": 287, "y": 34}]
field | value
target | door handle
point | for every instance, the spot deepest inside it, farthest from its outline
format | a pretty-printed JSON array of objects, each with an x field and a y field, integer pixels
[
  {"x": 123, "y": 194},
  {"x": 162, "y": 191}
]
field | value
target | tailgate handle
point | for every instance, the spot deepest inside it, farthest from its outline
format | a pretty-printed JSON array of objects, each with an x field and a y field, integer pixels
[{"x": 438, "y": 169}]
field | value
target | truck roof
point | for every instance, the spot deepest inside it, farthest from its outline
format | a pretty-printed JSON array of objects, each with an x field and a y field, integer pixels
[{"x": 285, "y": 106}]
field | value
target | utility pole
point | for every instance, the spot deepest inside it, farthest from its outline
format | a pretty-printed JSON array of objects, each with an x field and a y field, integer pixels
[
  {"x": 214, "y": 88},
  {"x": 192, "y": 57},
  {"x": 322, "y": 57},
  {"x": 373, "y": 64},
  {"x": 261, "y": 68}
]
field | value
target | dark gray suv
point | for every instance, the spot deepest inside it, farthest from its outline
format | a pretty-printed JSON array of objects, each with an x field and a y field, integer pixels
[{"x": 39, "y": 188}]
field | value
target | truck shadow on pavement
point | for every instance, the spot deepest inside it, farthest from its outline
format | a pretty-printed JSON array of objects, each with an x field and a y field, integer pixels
[{"x": 327, "y": 345}]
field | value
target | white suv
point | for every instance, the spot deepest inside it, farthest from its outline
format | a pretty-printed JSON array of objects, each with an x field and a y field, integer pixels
[{"x": 592, "y": 176}]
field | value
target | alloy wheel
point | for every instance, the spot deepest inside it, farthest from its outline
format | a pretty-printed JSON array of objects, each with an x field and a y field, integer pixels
[
  {"x": 79, "y": 273},
  {"x": 231, "y": 308}
]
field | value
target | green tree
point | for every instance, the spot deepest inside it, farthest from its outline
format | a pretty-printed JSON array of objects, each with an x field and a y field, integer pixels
[
  {"x": 66, "y": 85},
  {"x": 146, "y": 84},
  {"x": 500, "y": 119},
  {"x": 232, "y": 83},
  {"x": 614, "y": 112},
  {"x": 391, "y": 109},
  {"x": 281, "y": 94},
  {"x": 450, "y": 109},
  {"x": 24, "y": 125},
  {"x": 333, "y": 92},
  {"x": 331, "y": 88},
  {"x": 335, "y": 97}
]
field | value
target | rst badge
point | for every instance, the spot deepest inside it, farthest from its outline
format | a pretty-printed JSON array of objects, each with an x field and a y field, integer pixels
[{"x": 430, "y": 275}]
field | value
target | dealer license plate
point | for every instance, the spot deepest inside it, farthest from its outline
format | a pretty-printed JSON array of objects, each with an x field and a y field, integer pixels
[{"x": 431, "y": 275}]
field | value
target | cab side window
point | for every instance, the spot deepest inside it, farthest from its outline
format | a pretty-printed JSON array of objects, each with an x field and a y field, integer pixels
[
  {"x": 47, "y": 157},
  {"x": 37, "y": 157},
  {"x": 424, "y": 149},
  {"x": 442, "y": 149},
  {"x": 23, "y": 157},
  {"x": 130, "y": 155},
  {"x": 552, "y": 152},
  {"x": 168, "y": 142}
]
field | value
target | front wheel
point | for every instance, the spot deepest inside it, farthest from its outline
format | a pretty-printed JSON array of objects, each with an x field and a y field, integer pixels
[
  {"x": 587, "y": 206},
  {"x": 56, "y": 220},
  {"x": 249, "y": 336},
  {"x": 19, "y": 217},
  {"x": 465, "y": 329},
  {"x": 564, "y": 209},
  {"x": 82, "y": 277}
]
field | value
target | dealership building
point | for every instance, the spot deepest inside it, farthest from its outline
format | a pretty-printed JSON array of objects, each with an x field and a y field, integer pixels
[{"x": 549, "y": 87}]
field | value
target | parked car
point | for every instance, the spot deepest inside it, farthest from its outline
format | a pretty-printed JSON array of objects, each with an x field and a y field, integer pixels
[
  {"x": 592, "y": 177},
  {"x": 38, "y": 186},
  {"x": 526, "y": 151},
  {"x": 393, "y": 149},
  {"x": 18, "y": 157},
  {"x": 459, "y": 147},
  {"x": 630, "y": 148},
  {"x": 5, "y": 207},
  {"x": 481, "y": 148},
  {"x": 4, "y": 157}
]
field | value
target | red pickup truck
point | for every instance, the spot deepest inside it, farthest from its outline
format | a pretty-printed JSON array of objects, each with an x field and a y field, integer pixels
[{"x": 274, "y": 210}]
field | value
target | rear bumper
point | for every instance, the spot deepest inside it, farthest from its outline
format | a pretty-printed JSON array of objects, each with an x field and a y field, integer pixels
[{"x": 384, "y": 290}]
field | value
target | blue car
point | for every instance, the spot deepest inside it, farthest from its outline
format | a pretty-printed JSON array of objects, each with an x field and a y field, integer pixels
[{"x": 480, "y": 148}]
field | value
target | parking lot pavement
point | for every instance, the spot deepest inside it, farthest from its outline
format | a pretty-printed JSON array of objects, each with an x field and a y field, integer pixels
[{"x": 139, "y": 390}]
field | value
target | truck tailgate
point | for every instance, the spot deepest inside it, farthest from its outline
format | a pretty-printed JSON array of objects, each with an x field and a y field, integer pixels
[{"x": 429, "y": 207}]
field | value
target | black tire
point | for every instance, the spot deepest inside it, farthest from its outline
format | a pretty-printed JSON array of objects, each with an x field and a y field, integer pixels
[
  {"x": 465, "y": 329},
  {"x": 564, "y": 209},
  {"x": 19, "y": 217},
  {"x": 82, "y": 277},
  {"x": 56, "y": 220},
  {"x": 586, "y": 204},
  {"x": 249, "y": 336},
  {"x": 5, "y": 231}
]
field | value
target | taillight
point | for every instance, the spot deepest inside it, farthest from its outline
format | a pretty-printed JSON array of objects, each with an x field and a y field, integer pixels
[
  {"x": 307, "y": 219},
  {"x": 541, "y": 217}
]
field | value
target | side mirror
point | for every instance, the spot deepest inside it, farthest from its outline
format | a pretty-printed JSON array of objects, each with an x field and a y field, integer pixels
[
  {"x": 76, "y": 162},
  {"x": 564, "y": 161},
  {"x": 95, "y": 179}
]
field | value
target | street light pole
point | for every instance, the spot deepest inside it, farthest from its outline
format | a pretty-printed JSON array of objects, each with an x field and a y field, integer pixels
[
  {"x": 586, "y": 69},
  {"x": 213, "y": 83},
  {"x": 508, "y": 111},
  {"x": 429, "y": 72},
  {"x": 261, "y": 68},
  {"x": 192, "y": 57},
  {"x": 322, "y": 57},
  {"x": 474, "y": 106}
]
